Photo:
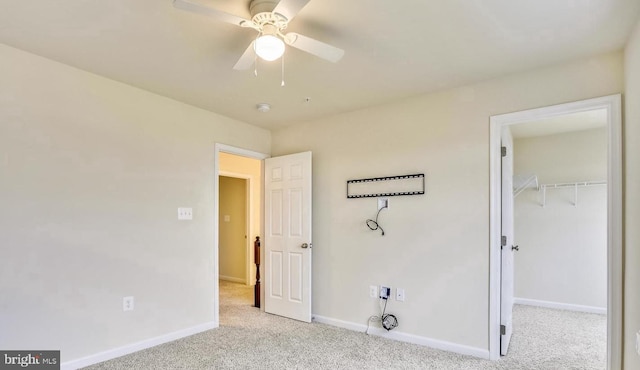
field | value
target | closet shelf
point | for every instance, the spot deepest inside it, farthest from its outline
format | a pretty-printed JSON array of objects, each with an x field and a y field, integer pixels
[{"x": 575, "y": 185}]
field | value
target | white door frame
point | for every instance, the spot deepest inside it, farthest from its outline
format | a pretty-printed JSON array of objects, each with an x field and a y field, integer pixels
[
  {"x": 507, "y": 231},
  {"x": 216, "y": 209},
  {"x": 249, "y": 216},
  {"x": 612, "y": 104}
]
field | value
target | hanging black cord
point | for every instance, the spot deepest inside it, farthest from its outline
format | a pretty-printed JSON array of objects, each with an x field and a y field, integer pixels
[{"x": 373, "y": 225}]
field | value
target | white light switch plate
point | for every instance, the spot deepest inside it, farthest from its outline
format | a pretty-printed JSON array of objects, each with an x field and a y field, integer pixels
[{"x": 185, "y": 213}]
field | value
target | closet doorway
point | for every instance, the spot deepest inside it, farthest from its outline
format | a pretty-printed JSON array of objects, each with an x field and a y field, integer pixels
[{"x": 612, "y": 106}]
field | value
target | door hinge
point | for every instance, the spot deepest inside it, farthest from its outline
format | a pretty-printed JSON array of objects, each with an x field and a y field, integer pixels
[
  {"x": 503, "y": 150},
  {"x": 503, "y": 330},
  {"x": 503, "y": 241}
]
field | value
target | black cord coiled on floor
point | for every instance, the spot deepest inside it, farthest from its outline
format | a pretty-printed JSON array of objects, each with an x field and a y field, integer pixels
[{"x": 388, "y": 320}]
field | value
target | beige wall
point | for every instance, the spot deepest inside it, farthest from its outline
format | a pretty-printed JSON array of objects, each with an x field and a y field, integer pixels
[
  {"x": 232, "y": 238},
  {"x": 232, "y": 231},
  {"x": 563, "y": 248},
  {"x": 632, "y": 200},
  {"x": 252, "y": 169},
  {"x": 92, "y": 173},
  {"x": 436, "y": 245}
]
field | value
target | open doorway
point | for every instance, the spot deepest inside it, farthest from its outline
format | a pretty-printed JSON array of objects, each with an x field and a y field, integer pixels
[
  {"x": 611, "y": 105},
  {"x": 233, "y": 228},
  {"x": 285, "y": 183},
  {"x": 239, "y": 221},
  {"x": 560, "y": 237}
]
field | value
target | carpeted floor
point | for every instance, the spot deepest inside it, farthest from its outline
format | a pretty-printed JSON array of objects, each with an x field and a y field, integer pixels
[{"x": 248, "y": 339}]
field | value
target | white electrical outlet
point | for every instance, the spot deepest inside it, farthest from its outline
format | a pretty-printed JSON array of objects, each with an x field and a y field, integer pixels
[
  {"x": 185, "y": 213},
  {"x": 373, "y": 291},
  {"x": 127, "y": 303},
  {"x": 385, "y": 292},
  {"x": 400, "y": 294},
  {"x": 638, "y": 342}
]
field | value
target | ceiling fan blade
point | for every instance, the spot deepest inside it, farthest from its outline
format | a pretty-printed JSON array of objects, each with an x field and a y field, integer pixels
[
  {"x": 289, "y": 8},
  {"x": 217, "y": 14},
  {"x": 315, "y": 47},
  {"x": 247, "y": 59}
]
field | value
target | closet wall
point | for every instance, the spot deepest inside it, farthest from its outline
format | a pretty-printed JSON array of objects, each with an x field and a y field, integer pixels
[{"x": 562, "y": 259}]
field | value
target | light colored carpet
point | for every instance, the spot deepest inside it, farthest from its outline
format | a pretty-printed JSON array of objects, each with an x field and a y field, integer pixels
[{"x": 247, "y": 339}]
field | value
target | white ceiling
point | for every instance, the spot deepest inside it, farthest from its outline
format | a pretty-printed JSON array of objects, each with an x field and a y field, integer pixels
[
  {"x": 394, "y": 49},
  {"x": 560, "y": 124}
]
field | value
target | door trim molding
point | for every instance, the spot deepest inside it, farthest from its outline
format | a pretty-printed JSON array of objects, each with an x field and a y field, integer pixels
[
  {"x": 612, "y": 104},
  {"x": 218, "y": 148}
]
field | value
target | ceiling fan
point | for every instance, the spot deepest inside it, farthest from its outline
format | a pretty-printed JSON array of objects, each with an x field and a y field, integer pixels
[{"x": 270, "y": 18}]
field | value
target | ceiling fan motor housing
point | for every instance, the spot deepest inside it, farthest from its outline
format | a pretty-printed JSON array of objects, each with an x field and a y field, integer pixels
[
  {"x": 274, "y": 19},
  {"x": 262, "y": 6},
  {"x": 262, "y": 15}
]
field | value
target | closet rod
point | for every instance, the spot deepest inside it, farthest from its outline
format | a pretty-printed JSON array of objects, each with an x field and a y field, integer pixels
[{"x": 574, "y": 185}]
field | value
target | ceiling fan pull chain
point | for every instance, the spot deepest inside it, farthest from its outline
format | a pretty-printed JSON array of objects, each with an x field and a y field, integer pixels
[{"x": 282, "y": 83}]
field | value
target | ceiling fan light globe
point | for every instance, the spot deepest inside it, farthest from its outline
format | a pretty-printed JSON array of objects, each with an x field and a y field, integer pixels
[{"x": 269, "y": 47}]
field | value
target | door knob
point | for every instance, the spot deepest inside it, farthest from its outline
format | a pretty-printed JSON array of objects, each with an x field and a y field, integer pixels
[
  {"x": 515, "y": 248},
  {"x": 305, "y": 246}
]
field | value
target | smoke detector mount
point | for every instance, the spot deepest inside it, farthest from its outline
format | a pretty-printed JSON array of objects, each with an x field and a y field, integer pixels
[{"x": 263, "y": 107}]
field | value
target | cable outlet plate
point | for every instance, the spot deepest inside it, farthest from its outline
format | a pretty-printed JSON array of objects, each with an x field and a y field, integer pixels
[
  {"x": 400, "y": 294},
  {"x": 383, "y": 203},
  {"x": 385, "y": 292}
]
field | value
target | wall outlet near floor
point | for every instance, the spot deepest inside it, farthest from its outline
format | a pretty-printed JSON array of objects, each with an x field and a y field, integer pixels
[
  {"x": 400, "y": 294},
  {"x": 638, "y": 342},
  {"x": 385, "y": 292},
  {"x": 373, "y": 291},
  {"x": 127, "y": 303}
]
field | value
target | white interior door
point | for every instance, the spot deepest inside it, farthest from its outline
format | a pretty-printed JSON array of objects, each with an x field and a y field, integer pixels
[
  {"x": 287, "y": 243},
  {"x": 506, "y": 291}
]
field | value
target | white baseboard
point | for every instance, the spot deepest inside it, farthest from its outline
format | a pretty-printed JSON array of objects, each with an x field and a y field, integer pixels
[
  {"x": 406, "y": 337},
  {"x": 231, "y": 279},
  {"x": 560, "y": 306},
  {"x": 135, "y": 347}
]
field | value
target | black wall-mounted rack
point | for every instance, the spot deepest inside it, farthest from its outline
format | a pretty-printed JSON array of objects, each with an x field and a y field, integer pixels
[{"x": 388, "y": 186}]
